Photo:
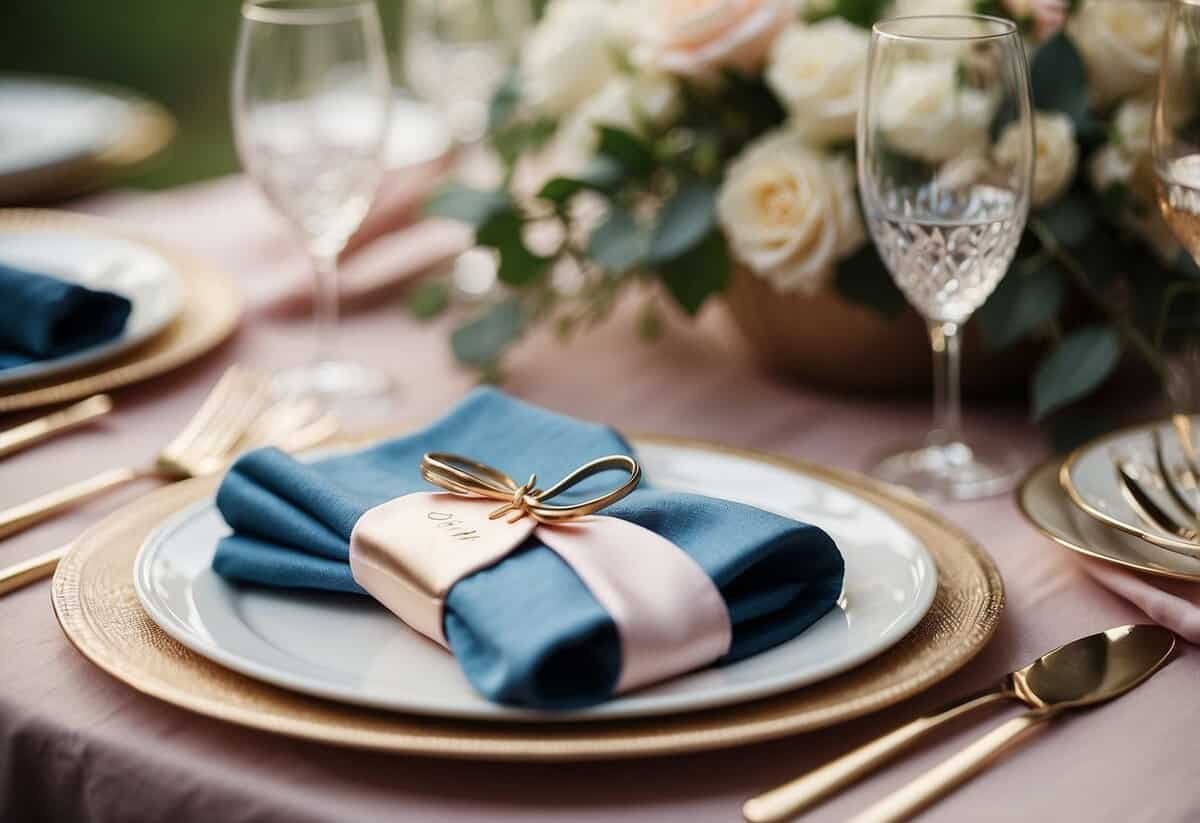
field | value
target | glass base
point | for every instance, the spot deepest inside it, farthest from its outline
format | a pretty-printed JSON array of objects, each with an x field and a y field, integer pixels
[
  {"x": 951, "y": 471},
  {"x": 358, "y": 394}
]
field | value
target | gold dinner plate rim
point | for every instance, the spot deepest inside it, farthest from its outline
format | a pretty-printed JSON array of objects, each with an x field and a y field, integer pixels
[
  {"x": 210, "y": 312},
  {"x": 296, "y": 715},
  {"x": 1019, "y": 495},
  {"x": 1068, "y": 485}
]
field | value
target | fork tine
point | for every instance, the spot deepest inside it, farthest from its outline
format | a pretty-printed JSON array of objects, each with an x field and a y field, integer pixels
[
  {"x": 212, "y": 404},
  {"x": 1168, "y": 477},
  {"x": 236, "y": 417}
]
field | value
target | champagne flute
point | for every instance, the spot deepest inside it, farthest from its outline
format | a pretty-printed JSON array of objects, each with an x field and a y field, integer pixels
[
  {"x": 945, "y": 165},
  {"x": 311, "y": 98},
  {"x": 1175, "y": 145}
]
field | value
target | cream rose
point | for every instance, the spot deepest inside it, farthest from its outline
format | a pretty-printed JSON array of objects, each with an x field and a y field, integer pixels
[
  {"x": 1056, "y": 155},
  {"x": 567, "y": 57},
  {"x": 1133, "y": 124},
  {"x": 1109, "y": 165},
  {"x": 1120, "y": 41},
  {"x": 817, "y": 70},
  {"x": 925, "y": 113},
  {"x": 789, "y": 211},
  {"x": 626, "y": 102},
  {"x": 697, "y": 38}
]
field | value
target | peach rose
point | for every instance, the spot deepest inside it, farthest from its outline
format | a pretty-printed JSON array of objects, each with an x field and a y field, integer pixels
[{"x": 694, "y": 38}]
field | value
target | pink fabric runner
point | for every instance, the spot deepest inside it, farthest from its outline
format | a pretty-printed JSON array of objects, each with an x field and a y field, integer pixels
[{"x": 77, "y": 745}]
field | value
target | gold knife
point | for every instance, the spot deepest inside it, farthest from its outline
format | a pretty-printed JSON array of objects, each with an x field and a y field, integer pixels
[
  {"x": 30, "y": 571},
  {"x": 35, "y": 431}
]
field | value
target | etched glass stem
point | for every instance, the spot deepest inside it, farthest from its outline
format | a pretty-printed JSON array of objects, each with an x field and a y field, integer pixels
[
  {"x": 947, "y": 400},
  {"x": 325, "y": 306}
]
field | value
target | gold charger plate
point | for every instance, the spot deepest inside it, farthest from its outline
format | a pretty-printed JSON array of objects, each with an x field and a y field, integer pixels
[
  {"x": 98, "y": 610},
  {"x": 150, "y": 129},
  {"x": 211, "y": 308}
]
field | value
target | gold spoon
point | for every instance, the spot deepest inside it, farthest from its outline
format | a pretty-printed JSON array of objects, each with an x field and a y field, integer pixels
[{"x": 1085, "y": 671}]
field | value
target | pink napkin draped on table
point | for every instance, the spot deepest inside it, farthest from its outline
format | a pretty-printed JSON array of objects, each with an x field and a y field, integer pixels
[{"x": 1174, "y": 604}]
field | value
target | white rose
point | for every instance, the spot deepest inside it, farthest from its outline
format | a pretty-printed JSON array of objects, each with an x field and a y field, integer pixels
[
  {"x": 934, "y": 27},
  {"x": 697, "y": 38},
  {"x": 1056, "y": 154},
  {"x": 1109, "y": 165},
  {"x": 567, "y": 57},
  {"x": 1120, "y": 41},
  {"x": 789, "y": 211},
  {"x": 626, "y": 102},
  {"x": 1132, "y": 124},
  {"x": 925, "y": 113},
  {"x": 817, "y": 70}
]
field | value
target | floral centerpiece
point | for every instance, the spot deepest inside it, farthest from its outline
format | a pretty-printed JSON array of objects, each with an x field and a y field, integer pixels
[{"x": 683, "y": 140}]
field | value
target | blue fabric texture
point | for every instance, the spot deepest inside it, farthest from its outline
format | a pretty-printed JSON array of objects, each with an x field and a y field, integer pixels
[
  {"x": 43, "y": 317},
  {"x": 526, "y": 630}
]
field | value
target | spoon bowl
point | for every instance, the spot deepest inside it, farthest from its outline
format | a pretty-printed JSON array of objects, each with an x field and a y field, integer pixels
[{"x": 1095, "y": 668}]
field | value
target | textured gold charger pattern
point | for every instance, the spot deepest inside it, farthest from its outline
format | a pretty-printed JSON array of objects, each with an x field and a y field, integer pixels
[
  {"x": 211, "y": 309},
  {"x": 98, "y": 609}
]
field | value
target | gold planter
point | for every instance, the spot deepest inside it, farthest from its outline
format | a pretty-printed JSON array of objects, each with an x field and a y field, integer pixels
[{"x": 823, "y": 339}]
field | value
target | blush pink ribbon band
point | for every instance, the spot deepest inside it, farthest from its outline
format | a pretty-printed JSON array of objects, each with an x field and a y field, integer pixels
[{"x": 670, "y": 617}]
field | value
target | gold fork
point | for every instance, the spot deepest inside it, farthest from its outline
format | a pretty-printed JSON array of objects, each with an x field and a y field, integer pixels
[{"x": 237, "y": 414}]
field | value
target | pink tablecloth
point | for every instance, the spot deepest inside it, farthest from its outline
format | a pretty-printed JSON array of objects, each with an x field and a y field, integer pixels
[{"x": 78, "y": 745}]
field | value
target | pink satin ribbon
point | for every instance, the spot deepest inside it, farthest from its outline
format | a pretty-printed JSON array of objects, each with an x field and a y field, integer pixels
[{"x": 670, "y": 617}]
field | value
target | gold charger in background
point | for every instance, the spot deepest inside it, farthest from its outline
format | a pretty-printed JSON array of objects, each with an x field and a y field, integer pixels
[
  {"x": 211, "y": 308},
  {"x": 98, "y": 610},
  {"x": 149, "y": 129}
]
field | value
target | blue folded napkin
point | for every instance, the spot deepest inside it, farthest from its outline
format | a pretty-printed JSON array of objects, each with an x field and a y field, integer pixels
[
  {"x": 525, "y": 631},
  {"x": 42, "y": 317}
]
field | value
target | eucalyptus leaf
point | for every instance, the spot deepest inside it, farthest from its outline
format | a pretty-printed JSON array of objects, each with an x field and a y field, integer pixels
[
  {"x": 684, "y": 221},
  {"x": 1059, "y": 80},
  {"x": 703, "y": 271},
  {"x": 429, "y": 299},
  {"x": 480, "y": 341},
  {"x": 518, "y": 265},
  {"x": 618, "y": 244},
  {"x": 1077, "y": 366},
  {"x": 862, "y": 278},
  {"x": 1021, "y": 304},
  {"x": 632, "y": 152},
  {"x": 1070, "y": 219},
  {"x": 505, "y": 101},
  {"x": 474, "y": 206},
  {"x": 601, "y": 174}
]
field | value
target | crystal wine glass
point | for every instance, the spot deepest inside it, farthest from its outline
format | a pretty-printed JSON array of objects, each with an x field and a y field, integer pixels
[
  {"x": 311, "y": 98},
  {"x": 945, "y": 165},
  {"x": 1175, "y": 144}
]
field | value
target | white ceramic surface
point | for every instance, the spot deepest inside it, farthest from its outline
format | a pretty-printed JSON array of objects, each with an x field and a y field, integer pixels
[
  {"x": 44, "y": 122},
  {"x": 1045, "y": 503},
  {"x": 1097, "y": 489},
  {"x": 99, "y": 262},
  {"x": 350, "y": 649}
]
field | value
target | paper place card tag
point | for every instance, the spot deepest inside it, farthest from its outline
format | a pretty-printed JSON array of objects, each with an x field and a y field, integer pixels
[{"x": 410, "y": 551}]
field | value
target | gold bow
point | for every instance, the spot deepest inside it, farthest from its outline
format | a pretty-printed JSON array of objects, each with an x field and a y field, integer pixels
[{"x": 470, "y": 478}]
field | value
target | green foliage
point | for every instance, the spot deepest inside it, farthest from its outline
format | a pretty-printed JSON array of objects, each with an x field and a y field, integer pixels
[
  {"x": 1079, "y": 364},
  {"x": 634, "y": 155},
  {"x": 480, "y": 341},
  {"x": 683, "y": 221},
  {"x": 474, "y": 206},
  {"x": 861, "y": 12},
  {"x": 862, "y": 278},
  {"x": 619, "y": 243},
  {"x": 518, "y": 265},
  {"x": 1023, "y": 303},
  {"x": 429, "y": 299},
  {"x": 602, "y": 174},
  {"x": 1059, "y": 80},
  {"x": 704, "y": 270}
]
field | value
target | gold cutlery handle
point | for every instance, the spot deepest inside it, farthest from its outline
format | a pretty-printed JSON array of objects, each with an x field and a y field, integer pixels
[
  {"x": 939, "y": 781},
  {"x": 30, "y": 571},
  {"x": 35, "y": 431},
  {"x": 21, "y": 517},
  {"x": 791, "y": 798}
]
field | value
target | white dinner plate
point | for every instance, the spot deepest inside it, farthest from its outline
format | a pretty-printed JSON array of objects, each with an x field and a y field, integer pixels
[
  {"x": 350, "y": 649},
  {"x": 98, "y": 261},
  {"x": 1046, "y": 505},
  {"x": 1089, "y": 478},
  {"x": 46, "y": 122}
]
